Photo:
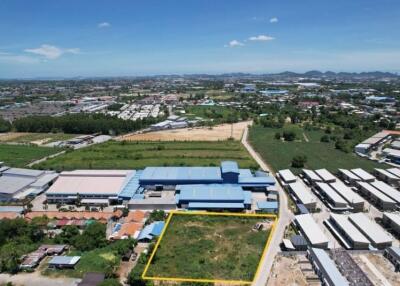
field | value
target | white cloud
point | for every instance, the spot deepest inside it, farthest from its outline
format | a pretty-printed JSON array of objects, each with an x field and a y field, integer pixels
[
  {"x": 261, "y": 38},
  {"x": 234, "y": 43},
  {"x": 104, "y": 25},
  {"x": 273, "y": 20},
  {"x": 52, "y": 52}
]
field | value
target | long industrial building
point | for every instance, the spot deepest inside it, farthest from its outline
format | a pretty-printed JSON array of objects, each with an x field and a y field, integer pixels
[
  {"x": 352, "y": 198},
  {"x": 303, "y": 195},
  {"x": 363, "y": 175},
  {"x": 286, "y": 177},
  {"x": 333, "y": 199},
  {"x": 348, "y": 176},
  {"x": 392, "y": 221},
  {"x": 379, "y": 199},
  {"x": 325, "y": 175},
  {"x": 17, "y": 183},
  {"x": 311, "y": 176},
  {"x": 326, "y": 268},
  {"x": 387, "y": 177},
  {"x": 351, "y": 237},
  {"x": 224, "y": 187},
  {"x": 387, "y": 190},
  {"x": 376, "y": 235},
  {"x": 311, "y": 231}
]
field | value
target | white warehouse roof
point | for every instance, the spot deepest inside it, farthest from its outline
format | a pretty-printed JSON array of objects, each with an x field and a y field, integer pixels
[
  {"x": 369, "y": 228},
  {"x": 325, "y": 175},
  {"x": 287, "y": 175},
  {"x": 394, "y": 171},
  {"x": 387, "y": 190},
  {"x": 365, "y": 176},
  {"x": 376, "y": 193},
  {"x": 302, "y": 193},
  {"x": 329, "y": 192},
  {"x": 347, "y": 193},
  {"x": 312, "y": 175},
  {"x": 311, "y": 229},
  {"x": 354, "y": 234},
  {"x": 387, "y": 174},
  {"x": 349, "y": 175}
]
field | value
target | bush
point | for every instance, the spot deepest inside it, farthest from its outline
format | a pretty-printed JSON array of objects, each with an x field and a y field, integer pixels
[
  {"x": 325, "y": 139},
  {"x": 299, "y": 161},
  {"x": 289, "y": 135},
  {"x": 342, "y": 146},
  {"x": 277, "y": 136}
]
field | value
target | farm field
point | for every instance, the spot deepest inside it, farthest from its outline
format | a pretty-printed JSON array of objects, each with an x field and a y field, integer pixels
[
  {"x": 279, "y": 154},
  {"x": 219, "y": 132},
  {"x": 137, "y": 155},
  {"x": 34, "y": 138},
  {"x": 21, "y": 155},
  {"x": 213, "y": 247}
]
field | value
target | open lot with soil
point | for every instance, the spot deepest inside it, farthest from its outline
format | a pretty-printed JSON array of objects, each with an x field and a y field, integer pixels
[
  {"x": 137, "y": 155},
  {"x": 34, "y": 138},
  {"x": 215, "y": 133},
  {"x": 214, "y": 247}
]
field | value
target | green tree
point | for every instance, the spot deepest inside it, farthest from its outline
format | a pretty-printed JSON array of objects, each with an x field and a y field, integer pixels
[{"x": 299, "y": 161}]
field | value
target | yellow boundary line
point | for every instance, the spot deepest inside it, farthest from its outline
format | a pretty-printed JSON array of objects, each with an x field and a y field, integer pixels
[{"x": 179, "y": 279}]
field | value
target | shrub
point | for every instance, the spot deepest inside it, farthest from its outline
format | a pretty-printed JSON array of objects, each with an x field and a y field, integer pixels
[{"x": 299, "y": 161}]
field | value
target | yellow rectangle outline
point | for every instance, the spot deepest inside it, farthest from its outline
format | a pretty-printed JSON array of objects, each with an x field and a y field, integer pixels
[{"x": 178, "y": 279}]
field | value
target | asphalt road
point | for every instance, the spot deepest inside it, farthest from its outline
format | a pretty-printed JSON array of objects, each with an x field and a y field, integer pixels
[{"x": 285, "y": 217}]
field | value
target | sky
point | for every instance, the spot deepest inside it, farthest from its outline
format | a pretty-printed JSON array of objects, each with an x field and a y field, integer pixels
[{"x": 69, "y": 38}]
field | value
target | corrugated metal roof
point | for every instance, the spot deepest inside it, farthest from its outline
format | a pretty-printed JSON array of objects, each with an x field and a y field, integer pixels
[
  {"x": 211, "y": 193},
  {"x": 23, "y": 172},
  {"x": 373, "y": 191},
  {"x": 369, "y": 228},
  {"x": 365, "y": 176},
  {"x": 325, "y": 175},
  {"x": 14, "y": 184},
  {"x": 347, "y": 193},
  {"x": 204, "y": 206},
  {"x": 311, "y": 229},
  {"x": 387, "y": 190},
  {"x": 65, "y": 260},
  {"x": 354, "y": 234},
  {"x": 229, "y": 167},
  {"x": 331, "y": 194},
  {"x": 183, "y": 174},
  {"x": 329, "y": 266},
  {"x": 302, "y": 193},
  {"x": 267, "y": 205}
]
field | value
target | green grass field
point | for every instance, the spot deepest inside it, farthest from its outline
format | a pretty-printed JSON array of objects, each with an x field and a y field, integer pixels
[
  {"x": 279, "y": 154},
  {"x": 136, "y": 155},
  {"x": 21, "y": 155},
  {"x": 209, "y": 247}
]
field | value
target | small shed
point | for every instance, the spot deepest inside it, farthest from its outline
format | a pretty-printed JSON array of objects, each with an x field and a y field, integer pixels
[{"x": 64, "y": 261}]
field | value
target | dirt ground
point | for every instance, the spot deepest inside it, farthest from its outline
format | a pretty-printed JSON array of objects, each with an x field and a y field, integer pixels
[
  {"x": 5, "y": 137},
  {"x": 292, "y": 271},
  {"x": 382, "y": 265},
  {"x": 219, "y": 132},
  {"x": 35, "y": 279}
]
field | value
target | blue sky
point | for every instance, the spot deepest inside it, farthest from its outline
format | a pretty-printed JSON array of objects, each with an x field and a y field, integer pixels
[{"x": 128, "y": 37}]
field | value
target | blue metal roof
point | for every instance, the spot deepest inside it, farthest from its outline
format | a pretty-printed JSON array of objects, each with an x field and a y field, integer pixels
[
  {"x": 245, "y": 173},
  {"x": 267, "y": 205},
  {"x": 151, "y": 230},
  {"x": 211, "y": 193},
  {"x": 130, "y": 185},
  {"x": 180, "y": 174},
  {"x": 229, "y": 167},
  {"x": 329, "y": 266},
  {"x": 205, "y": 206},
  {"x": 256, "y": 181}
]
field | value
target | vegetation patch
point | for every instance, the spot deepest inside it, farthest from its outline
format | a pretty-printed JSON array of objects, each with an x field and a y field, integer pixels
[
  {"x": 137, "y": 155},
  {"x": 312, "y": 149},
  {"x": 209, "y": 247},
  {"x": 21, "y": 155}
]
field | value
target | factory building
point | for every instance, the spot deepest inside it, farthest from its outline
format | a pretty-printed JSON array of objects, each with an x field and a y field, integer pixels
[
  {"x": 387, "y": 190},
  {"x": 17, "y": 183},
  {"x": 376, "y": 235},
  {"x": 326, "y": 268},
  {"x": 311, "y": 177},
  {"x": 376, "y": 197},
  {"x": 348, "y": 176},
  {"x": 302, "y": 195},
  {"x": 286, "y": 177},
  {"x": 387, "y": 177},
  {"x": 394, "y": 171},
  {"x": 393, "y": 255},
  {"x": 347, "y": 233},
  {"x": 333, "y": 199},
  {"x": 392, "y": 221},
  {"x": 311, "y": 230},
  {"x": 325, "y": 175},
  {"x": 363, "y": 175},
  {"x": 351, "y": 197}
]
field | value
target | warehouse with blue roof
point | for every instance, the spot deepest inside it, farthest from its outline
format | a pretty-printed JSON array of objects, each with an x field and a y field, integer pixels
[{"x": 224, "y": 187}]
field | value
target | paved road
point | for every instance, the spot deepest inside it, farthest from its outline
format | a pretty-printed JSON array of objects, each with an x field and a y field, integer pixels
[{"x": 285, "y": 217}]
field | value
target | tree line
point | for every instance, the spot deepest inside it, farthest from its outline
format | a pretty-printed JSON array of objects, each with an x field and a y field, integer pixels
[{"x": 81, "y": 124}]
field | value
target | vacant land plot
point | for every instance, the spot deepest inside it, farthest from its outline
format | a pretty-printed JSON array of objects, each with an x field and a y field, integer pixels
[
  {"x": 136, "y": 155},
  {"x": 378, "y": 269},
  {"x": 209, "y": 247},
  {"x": 279, "y": 154},
  {"x": 34, "y": 138},
  {"x": 216, "y": 133},
  {"x": 21, "y": 155}
]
